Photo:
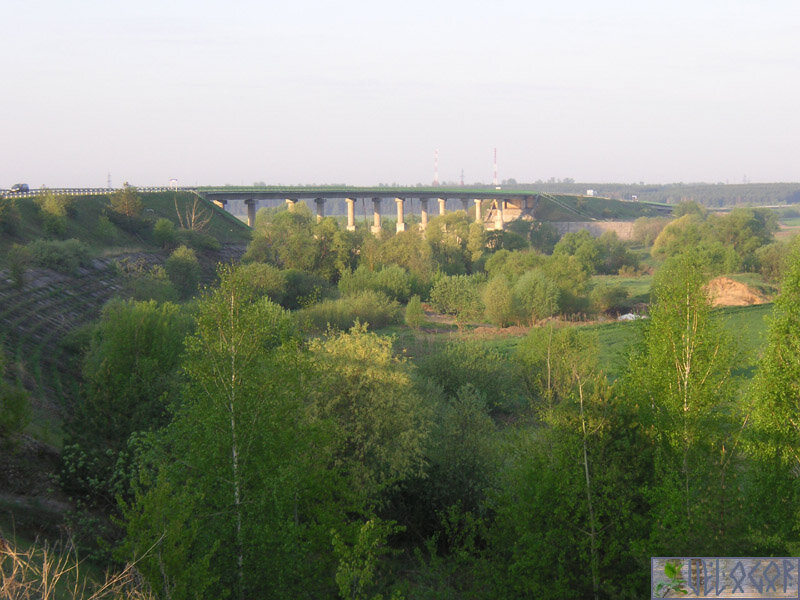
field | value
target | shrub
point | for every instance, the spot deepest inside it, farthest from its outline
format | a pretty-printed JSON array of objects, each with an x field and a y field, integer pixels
[
  {"x": 18, "y": 260},
  {"x": 609, "y": 298},
  {"x": 415, "y": 316},
  {"x": 132, "y": 225},
  {"x": 493, "y": 376},
  {"x": 9, "y": 216},
  {"x": 197, "y": 240},
  {"x": 183, "y": 270},
  {"x": 455, "y": 293},
  {"x": 536, "y": 295},
  {"x": 392, "y": 280},
  {"x": 164, "y": 233},
  {"x": 15, "y": 412},
  {"x": 142, "y": 283},
  {"x": 303, "y": 289},
  {"x": 372, "y": 308},
  {"x": 63, "y": 256},
  {"x": 105, "y": 230},
  {"x": 498, "y": 300},
  {"x": 266, "y": 280}
]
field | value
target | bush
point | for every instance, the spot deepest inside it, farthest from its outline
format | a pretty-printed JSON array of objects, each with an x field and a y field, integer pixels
[
  {"x": 15, "y": 412},
  {"x": 131, "y": 225},
  {"x": 609, "y": 299},
  {"x": 536, "y": 295},
  {"x": 415, "y": 316},
  {"x": 392, "y": 280},
  {"x": 18, "y": 260},
  {"x": 105, "y": 230},
  {"x": 498, "y": 300},
  {"x": 183, "y": 270},
  {"x": 372, "y": 308},
  {"x": 164, "y": 233},
  {"x": 9, "y": 216},
  {"x": 303, "y": 289},
  {"x": 456, "y": 293},
  {"x": 492, "y": 375},
  {"x": 197, "y": 240},
  {"x": 63, "y": 256},
  {"x": 142, "y": 283},
  {"x": 266, "y": 280}
]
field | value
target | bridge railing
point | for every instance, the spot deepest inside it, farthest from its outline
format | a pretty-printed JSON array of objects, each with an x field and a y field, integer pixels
[{"x": 86, "y": 191}]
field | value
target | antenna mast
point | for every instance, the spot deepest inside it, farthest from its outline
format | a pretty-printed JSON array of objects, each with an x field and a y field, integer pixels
[
  {"x": 436, "y": 168},
  {"x": 494, "y": 180}
]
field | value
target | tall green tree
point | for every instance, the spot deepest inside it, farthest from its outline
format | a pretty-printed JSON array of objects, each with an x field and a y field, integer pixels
[
  {"x": 774, "y": 433},
  {"x": 239, "y": 501},
  {"x": 681, "y": 380}
]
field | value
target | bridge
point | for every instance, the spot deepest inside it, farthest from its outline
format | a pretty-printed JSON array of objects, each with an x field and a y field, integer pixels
[{"x": 493, "y": 207}]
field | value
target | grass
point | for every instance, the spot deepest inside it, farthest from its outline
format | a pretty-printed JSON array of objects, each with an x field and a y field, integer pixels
[{"x": 747, "y": 326}]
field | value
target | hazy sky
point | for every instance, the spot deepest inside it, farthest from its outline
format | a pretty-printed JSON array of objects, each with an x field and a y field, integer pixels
[{"x": 364, "y": 92}]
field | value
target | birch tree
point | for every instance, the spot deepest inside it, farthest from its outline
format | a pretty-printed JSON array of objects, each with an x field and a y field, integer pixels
[{"x": 240, "y": 494}]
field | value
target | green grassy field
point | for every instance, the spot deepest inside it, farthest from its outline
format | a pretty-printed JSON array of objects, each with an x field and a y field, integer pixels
[{"x": 746, "y": 325}]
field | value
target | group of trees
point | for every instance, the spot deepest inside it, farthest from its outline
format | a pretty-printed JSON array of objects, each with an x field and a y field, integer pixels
[
  {"x": 261, "y": 463},
  {"x": 238, "y": 452}
]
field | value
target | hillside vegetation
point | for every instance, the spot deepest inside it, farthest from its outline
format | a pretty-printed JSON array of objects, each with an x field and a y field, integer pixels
[{"x": 415, "y": 415}]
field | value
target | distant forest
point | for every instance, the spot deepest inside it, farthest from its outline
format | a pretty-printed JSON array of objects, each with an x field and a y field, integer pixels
[{"x": 707, "y": 194}]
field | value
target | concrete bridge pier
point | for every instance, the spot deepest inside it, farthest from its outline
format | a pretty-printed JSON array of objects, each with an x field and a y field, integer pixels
[
  {"x": 351, "y": 214},
  {"x": 401, "y": 225},
  {"x": 442, "y": 202},
  {"x": 290, "y": 202},
  {"x": 499, "y": 223},
  {"x": 376, "y": 217},
  {"x": 320, "y": 202},
  {"x": 251, "y": 212},
  {"x": 478, "y": 210},
  {"x": 423, "y": 213}
]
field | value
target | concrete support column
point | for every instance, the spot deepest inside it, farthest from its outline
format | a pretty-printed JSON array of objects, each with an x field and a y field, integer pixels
[
  {"x": 423, "y": 213},
  {"x": 442, "y": 202},
  {"x": 351, "y": 214},
  {"x": 401, "y": 224},
  {"x": 376, "y": 216},
  {"x": 465, "y": 204},
  {"x": 477, "y": 210},
  {"x": 320, "y": 202},
  {"x": 499, "y": 223},
  {"x": 251, "y": 212},
  {"x": 290, "y": 202}
]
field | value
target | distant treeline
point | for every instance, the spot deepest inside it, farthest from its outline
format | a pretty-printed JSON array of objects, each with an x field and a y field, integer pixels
[{"x": 707, "y": 194}]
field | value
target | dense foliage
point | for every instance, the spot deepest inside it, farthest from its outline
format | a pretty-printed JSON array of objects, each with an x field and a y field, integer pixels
[{"x": 263, "y": 440}]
